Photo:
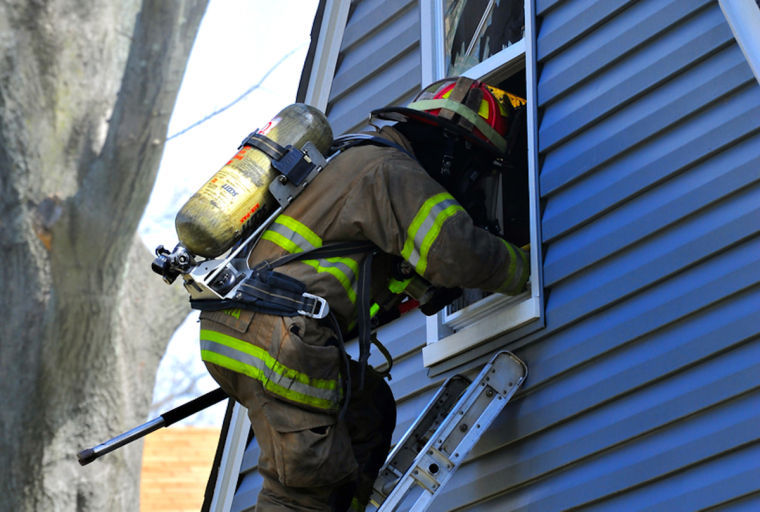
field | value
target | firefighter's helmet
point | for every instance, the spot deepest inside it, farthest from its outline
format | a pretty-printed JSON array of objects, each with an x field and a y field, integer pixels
[{"x": 476, "y": 111}]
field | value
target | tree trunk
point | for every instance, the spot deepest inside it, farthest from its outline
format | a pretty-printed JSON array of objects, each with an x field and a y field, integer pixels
[{"x": 86, "y": 90}]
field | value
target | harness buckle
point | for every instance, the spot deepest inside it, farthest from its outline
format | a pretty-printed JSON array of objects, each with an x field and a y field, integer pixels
[{"x": 319, "y": 309}]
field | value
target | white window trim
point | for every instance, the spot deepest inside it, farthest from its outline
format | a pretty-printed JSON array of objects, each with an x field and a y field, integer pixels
[
  {"x": 232, "y": 457},
  {"x": 743, "y": 17},
  {"x": 496, "y": 314},
  {"x": 333, "y": 26}
]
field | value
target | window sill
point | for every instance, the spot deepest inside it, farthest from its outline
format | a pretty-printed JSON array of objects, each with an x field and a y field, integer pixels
[{"x": 489, "y": 326}]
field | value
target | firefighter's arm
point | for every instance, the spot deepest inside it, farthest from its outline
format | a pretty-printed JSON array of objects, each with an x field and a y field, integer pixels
[{"x": 407, "y": 213}]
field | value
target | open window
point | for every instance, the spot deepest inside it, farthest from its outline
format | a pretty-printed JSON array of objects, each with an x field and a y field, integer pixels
[{"x": 490, "y": 40}]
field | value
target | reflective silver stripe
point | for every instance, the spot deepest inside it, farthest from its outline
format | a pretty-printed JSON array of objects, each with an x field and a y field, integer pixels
[
  {"x": 425, "y": 227},
  {"x": 293, "y": 236},
  {"x": 270, "y": 375},
  {"x": 340, "y": 265}
]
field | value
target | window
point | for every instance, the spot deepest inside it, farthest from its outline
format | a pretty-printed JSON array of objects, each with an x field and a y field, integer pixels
[
  {"x": 490, "y": 40},
  {"x": 474, "y": 30}
]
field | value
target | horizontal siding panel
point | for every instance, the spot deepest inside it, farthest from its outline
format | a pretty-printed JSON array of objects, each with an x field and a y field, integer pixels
[
  {"x": 639, "y": 462},
  {"x": 556, "y": 392},
  {"x": 658, "y": 257},
  {"x": 571, "y": 19},
  {"x": 543, "y": 6},
  {"x": 375, "y": 56},
  {"x": 647, "y": 117},
  {"x": 626, "y": 35},
  {"x": 671, "y": 202},
  {"x": 728, "y": 285},
  {"x": 370, "y": 16},
  {"x": 642, "y": 389},
  {"x": 716, "y": 128},
  {"x": 401, "y": 337},
  {"x": 749, "y": 502},
  {"x": 607, "y": 376},
  {"x": 379, "y": 62},
  {"x": 660, "y": 403},
  {"x": 644, "y": 67},
  {"x": 408, "y": 377},
  {"x": 396, "y": 85},
  {"x": 706, "y": 486}
]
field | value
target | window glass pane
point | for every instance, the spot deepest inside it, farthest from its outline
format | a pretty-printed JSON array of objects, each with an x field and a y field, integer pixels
[{"x": 477, "y": 29}]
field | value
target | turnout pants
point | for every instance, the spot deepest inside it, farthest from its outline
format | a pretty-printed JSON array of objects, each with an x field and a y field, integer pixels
[{"x": 309, "y": 459}]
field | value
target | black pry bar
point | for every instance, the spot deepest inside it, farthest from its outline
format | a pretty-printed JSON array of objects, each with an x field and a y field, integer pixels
[{"x": 164, "y": 420}]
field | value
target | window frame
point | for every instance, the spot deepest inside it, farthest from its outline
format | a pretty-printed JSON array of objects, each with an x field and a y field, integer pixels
[{"x": 449, "y": 335}]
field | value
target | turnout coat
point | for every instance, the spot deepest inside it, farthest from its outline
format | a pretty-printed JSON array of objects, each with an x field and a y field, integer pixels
[{"x": 286, "y": 370}]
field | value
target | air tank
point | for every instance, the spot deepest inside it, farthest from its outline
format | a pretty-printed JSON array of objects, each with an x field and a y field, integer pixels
[{"x": 236, "y": 199}]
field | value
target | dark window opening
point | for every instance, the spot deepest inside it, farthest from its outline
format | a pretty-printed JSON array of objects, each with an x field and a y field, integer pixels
[{"x": 515, "y": 214}]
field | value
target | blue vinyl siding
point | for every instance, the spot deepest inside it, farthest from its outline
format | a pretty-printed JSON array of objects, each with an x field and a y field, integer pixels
[
  {"x": 644, "y": 386},
  {"x": 379, "y": 62}
]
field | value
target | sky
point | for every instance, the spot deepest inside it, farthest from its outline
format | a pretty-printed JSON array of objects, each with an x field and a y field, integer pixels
[{"x": 238, "y": 43}]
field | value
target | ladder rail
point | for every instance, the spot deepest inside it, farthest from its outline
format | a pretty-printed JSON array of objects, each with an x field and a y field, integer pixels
[{"x": 435, "y": 463}]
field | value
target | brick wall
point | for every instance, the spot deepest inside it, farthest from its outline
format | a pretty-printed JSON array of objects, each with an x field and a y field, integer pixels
[{"x": 176, "y": 466}]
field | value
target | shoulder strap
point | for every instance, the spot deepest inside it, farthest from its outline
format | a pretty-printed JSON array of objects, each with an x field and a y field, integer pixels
[
  {"x": 330, "y": 250},
  {"x": 350, "y": 140}
]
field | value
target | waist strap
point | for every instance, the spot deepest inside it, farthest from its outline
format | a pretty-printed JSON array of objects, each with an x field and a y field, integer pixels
[{"x": 267, "y": 291}]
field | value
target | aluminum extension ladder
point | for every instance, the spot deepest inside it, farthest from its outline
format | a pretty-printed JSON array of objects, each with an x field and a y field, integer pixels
[{"x": 432, "y": 449}]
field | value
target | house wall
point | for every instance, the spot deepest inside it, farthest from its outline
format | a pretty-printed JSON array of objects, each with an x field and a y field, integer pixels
[
  {"x": 642, "y": 389},
  {"x": 378, "y": 64}
]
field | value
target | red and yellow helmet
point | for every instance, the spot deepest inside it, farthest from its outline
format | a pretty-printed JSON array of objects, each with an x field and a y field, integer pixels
[{"x": 477, "y": 111}]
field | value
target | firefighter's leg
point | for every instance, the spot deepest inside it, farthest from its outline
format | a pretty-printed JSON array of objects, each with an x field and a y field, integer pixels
[
  {"x": 304, "y": 454},
  {"x": 371, "y": 418}
]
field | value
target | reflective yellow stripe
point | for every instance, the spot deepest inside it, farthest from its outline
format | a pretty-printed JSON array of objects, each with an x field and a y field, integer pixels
[
  {"x": 398, "y": 287},
  {"x": 338, "y": 274},
  {"x": 280, "y": 240},
  {"x": 293, "y": 236},
  {"x": 301, "y": 229},
  {"x": 517, "y": 271},
  {"x": 270, "y": 361},
  {"x": 255, "y": 373},
  {"x": 433, "y": 234},
  {"x": 356, "y": 506},
  {"x": 255, "y": 362},
  {"x": 422, "y": 214},
  {"x": 425, "y": 228}
]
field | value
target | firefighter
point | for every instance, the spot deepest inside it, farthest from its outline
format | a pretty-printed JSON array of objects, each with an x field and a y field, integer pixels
[{"x": 324, "y": 427}]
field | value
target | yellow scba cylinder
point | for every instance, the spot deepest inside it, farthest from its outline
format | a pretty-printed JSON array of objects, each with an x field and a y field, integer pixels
[{"x": 237, "y": 199}]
